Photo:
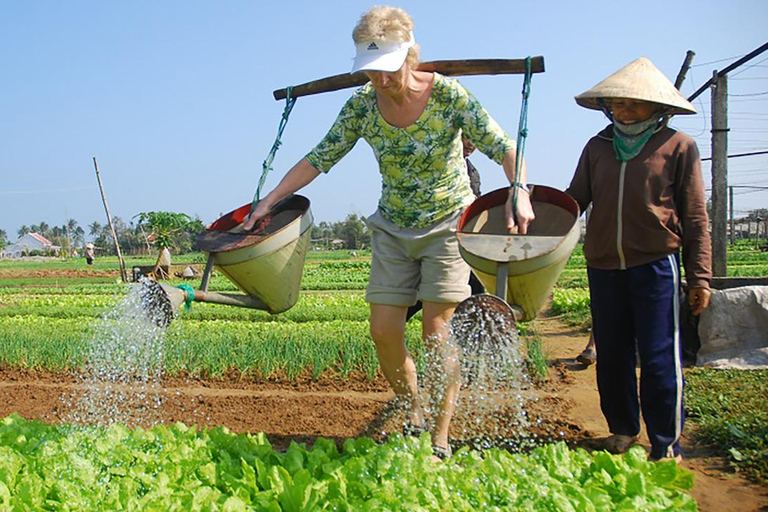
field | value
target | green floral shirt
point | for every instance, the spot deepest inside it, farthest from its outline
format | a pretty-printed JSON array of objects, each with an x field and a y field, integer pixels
[{"x": 423, "y": 173}]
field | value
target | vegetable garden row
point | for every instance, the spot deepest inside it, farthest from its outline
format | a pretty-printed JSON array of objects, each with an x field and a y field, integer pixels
[{"x": 45, "y": 323}]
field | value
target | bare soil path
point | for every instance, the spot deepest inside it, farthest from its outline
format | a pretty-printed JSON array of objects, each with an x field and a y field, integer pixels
[
  {"x": 715, "y": 489},
  {"x": 337, "y": 409}
]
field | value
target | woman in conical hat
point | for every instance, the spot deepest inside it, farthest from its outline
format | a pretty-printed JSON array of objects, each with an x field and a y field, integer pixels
[{"x": 643, "y": 181}]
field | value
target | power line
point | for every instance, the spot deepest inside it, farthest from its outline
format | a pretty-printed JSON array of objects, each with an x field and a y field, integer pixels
[
  {"x": 729, "y": 68},
  {"x": 750, "y": 94},
  {"x": 749, "y": 67},
  {"x": 713, "y": 62}
]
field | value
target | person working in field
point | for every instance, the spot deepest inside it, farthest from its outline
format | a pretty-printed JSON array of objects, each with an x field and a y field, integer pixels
[
  {"x": 413, "y": 121},
  {"x": 90, "y": 253},
  {"x": 644, "y": 182}
]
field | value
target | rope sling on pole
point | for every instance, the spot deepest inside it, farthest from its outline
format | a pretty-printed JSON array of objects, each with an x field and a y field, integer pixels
[
  {"x": 522, "y": 133},
  {"x": 267, "y": 165}
]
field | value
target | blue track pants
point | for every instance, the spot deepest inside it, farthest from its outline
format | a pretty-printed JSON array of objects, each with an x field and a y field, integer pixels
[{"x": 636, "y": 311}]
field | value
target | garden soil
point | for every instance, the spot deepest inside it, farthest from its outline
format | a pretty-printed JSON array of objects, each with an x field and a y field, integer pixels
[{"x": 332, "y": 407}]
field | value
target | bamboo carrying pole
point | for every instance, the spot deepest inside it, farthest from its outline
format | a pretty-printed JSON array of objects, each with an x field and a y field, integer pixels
[
  {"x": 123, "y": 274},
  {"x": 444, "y": 67}
]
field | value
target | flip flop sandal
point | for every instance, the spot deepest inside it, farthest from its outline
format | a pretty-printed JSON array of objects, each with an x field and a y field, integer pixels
[
  {"x": 677, "y": 458},
  {"x": 442, "y": 452},
  {"x": 588, "y": 357},
  {"x": 409, "y": 429}
]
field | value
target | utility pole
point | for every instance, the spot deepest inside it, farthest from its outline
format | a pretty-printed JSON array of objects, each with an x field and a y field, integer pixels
[
  {"x": 684, "y": 69},
  {"x": 719, "y": 173},
  {"x": 730, "y": 202}
]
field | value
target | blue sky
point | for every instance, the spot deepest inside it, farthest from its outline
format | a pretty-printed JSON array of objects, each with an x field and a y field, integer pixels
[{"x": 174, "y": 98}]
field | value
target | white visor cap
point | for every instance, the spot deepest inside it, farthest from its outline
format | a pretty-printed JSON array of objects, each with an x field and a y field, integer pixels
[{"x": 386, "y": 56}]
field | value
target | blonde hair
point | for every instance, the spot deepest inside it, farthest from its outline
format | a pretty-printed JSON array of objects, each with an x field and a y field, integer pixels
[{"x": 386, "y": 23}]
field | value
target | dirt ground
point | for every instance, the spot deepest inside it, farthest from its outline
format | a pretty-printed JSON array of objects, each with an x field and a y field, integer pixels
[{"x": 568, "y": 409}]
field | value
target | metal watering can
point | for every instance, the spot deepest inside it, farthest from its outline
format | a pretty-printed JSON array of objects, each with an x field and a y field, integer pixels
[
  {"x": 519, "y": 271},
  {"x": 266, "y": 264}
]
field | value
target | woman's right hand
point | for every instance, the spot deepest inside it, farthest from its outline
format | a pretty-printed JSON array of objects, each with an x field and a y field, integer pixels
[
  {"x": 259, "y": 215},
  {"x": 297, "y": 177}
]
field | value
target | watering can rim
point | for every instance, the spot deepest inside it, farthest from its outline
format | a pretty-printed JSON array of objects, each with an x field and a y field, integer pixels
[
  {"x": 470, "y": 242},
  {"x": 499, "y": 197},
  {"x": 235, "y": 217}
]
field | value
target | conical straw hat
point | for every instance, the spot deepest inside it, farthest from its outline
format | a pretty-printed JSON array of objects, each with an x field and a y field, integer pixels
[{"x": 638, "y": 80}]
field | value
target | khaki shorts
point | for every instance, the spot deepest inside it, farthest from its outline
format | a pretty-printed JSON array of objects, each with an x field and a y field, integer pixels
[{"x": 410, "y": 264}]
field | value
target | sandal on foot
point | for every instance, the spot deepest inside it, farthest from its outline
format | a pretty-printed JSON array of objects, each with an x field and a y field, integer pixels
[
  {"x": 442, "y": 452},
  {"x": 588, "y": 357},
  {"x": 409, "y": 429},
  {"x": 677, "y": 458}
]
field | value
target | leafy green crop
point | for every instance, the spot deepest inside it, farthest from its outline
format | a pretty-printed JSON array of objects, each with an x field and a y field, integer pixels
[
  {"x": 728, "y": 408},
  {"x": 45, "y": 467},
  {"x": 570, "y": 300}
]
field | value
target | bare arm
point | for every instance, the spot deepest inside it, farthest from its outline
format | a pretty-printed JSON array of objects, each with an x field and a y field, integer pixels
[
  {"x": 524, "y": 208},
  {"x": 299, "y": 176}
]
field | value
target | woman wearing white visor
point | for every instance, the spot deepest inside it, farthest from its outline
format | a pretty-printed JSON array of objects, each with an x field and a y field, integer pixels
[{"x": 413, "y": 121}]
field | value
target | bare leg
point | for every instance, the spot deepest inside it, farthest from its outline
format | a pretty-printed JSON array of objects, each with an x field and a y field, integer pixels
[
  {"x": 388, "y": 333},
  {"x": 435, "y": 330}
]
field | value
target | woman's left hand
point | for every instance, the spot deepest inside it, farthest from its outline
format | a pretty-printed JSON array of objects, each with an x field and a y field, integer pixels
[{"x": 524, "y": 213}]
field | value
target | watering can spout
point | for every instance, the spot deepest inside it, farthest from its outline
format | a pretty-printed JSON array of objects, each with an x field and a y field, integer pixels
[{"x": 161, "y": 302}]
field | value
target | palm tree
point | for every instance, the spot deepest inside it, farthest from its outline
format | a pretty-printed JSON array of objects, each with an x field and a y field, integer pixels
[
  {"x": 43, "y": 229},
  {"x": 94, "y": 229},
  {"x": 3, "y": 239},
  {"x": 70, "y": 228},
  {"x": 23, "y": 230},
  {"x": 79, "y": 236}
]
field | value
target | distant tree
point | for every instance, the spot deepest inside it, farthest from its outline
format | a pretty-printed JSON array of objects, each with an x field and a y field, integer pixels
[
  {"x": 327, "y": 229},
  {"x": 353, "y": 231},
  {"x": 42, "y": 229},
  {"x": 165, "y": 227},
  {"x": 94, "y": 228},
  {"x": 759, "y": 213},
  {"x": 70, "y": 227},
  {"x": 79, "y": 237},
  {"x": 167, "y": 230},
  {"x": 321, "y": 235},
  {"x": 23, "y": 230},
  {"x": 192, "y": 231},
  {"x": 3, "y": 239},
  {"x": 104, "y": 241}
]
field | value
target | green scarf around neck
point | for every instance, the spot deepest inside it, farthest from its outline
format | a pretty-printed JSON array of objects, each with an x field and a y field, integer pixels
[{"x": 629, "y": 139}]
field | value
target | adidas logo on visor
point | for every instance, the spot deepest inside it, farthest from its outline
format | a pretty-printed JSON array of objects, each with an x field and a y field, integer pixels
[{"x": 372, "y": 46}]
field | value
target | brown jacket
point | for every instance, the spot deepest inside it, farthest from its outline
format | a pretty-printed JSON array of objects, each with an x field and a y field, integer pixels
[{"x": 646, "y": 209}]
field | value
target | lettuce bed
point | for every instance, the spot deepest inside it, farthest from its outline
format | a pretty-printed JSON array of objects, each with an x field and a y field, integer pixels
[{"x": 45, "y": 467}]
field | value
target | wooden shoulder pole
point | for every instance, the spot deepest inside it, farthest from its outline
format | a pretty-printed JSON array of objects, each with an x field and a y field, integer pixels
[{"x": 444, "y": 67}]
